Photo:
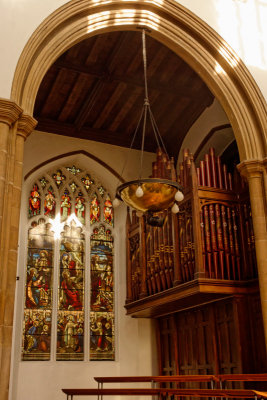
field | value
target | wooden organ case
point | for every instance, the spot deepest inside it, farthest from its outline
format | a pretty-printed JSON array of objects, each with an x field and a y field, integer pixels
[{"x": 197, "y": 274}]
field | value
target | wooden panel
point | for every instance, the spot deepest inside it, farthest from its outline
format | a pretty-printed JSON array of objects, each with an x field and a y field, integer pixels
[
  {"x": 213, "y": 339},
  {"x": 99, "y": 84},
  {"x": 195, "y": 349}
]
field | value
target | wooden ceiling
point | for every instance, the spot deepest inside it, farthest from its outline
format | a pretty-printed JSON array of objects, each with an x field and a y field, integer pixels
[{"x": 95, "y": 91}]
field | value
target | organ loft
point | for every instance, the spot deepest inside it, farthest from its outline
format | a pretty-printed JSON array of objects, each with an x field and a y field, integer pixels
[{"x": 196, "y": 275}]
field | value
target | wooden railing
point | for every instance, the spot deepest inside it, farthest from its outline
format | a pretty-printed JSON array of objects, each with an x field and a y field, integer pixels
[
  {"x": 212, "y": 379},
  {"x": 166, "y": 393},
  {"x": 211, "y": 237}
]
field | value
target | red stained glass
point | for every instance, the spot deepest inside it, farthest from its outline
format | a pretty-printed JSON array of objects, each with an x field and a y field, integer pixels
[
  {"x": 87, "y": 181},
  {"x": 50, "y": 203},
  {"x": 108, "y": 212},
  {"x": 34, "y": 202}
]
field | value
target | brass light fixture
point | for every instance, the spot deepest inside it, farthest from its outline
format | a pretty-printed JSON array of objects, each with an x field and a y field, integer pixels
[{"x": 149, "y": 195}]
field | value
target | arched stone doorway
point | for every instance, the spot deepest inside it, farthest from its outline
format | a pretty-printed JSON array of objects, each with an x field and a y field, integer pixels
[{"x": 197, "y": 44}]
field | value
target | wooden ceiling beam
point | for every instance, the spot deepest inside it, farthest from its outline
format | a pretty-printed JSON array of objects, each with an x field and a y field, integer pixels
[
  {"x": 87, "y": 133},
  {"x": 88, "y": 105},
  {"x": 102, "y": 77},
  {"x": 100, "y": 73}
]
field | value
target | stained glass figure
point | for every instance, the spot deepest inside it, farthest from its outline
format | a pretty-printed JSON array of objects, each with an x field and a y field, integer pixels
[
  {"x": 102, "y": 336},
  {"x": 74, "y": 170},
  {"x": 101, "y": 191},
  {"x": 102, "y": 296},
  {"x": 70, "y": 334},
  {"x": 34, "y": 202},
  {"x": 36, "y": 335},
  {"x": 108, "y": 211},
  {"x": 73, "y": 187},
  {"x": 43, "y": 182},
  {"x": 80, "y": 208},
  {"x": 71, "y": 295},
  {"x": 38, "y": 293},
  {"x": 65, "y": 205},
  {"x": 94, "y": 210},
  {"x": 39, "y": 278},
  {"x": 59, "y": 177},
  {"x": 88, "y": 182},
  {"x": 50, "y": 203}
]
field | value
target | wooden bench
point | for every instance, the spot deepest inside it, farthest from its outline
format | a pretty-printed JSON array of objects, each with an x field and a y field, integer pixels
[{"x": 164, "y": 393}]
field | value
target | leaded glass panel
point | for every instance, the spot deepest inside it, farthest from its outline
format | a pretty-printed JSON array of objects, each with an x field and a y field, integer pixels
[
  {"x": 68, "y": 197},
  {"x": 102, "y": 296},
  {"x": 50, "y": 203},
  {"x": 108, "y": 211},
  {"x": 71, "y": 295},
  {"x": 94, "y": 210},
  {"x": 38, "y": 293},
  {"x": 34, "y": 202}
]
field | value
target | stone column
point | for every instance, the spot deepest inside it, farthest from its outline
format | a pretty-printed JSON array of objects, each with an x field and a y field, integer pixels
[
  {"x": 14, "y": 128},
  {"x": 255, "y": 173}
]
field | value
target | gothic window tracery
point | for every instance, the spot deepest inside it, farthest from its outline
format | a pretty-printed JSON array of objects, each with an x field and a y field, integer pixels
[{"x": 70, "y": 217}]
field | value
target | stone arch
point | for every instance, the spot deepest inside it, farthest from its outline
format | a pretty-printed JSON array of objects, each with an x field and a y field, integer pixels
[{"x": 173, "y": 25}]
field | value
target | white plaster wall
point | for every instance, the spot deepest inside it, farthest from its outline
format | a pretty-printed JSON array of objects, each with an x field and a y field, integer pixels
[
  {"x": 242, "y": 23},
  {"x": 135, "y": 340},
  {"x": 213, "y": 116}
]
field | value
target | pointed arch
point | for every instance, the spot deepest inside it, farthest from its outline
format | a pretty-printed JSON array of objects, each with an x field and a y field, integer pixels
[{"x": 173, "y": 25}]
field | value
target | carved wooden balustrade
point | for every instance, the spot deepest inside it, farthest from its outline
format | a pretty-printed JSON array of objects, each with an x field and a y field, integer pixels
[{"x": 211, "y": 237}]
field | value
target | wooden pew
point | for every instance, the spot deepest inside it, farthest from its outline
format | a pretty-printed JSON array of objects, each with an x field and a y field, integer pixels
[{"x": 214, "y": 393}]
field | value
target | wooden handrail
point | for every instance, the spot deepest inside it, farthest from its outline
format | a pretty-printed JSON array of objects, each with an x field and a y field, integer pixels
[
  {"x": 157, "y": 378},
  {"x": 226, "y": 393},
  {"x": 121, "y": 379},
  {"x": 243, "y": 377},
  {"x": 183, "y": 378}
]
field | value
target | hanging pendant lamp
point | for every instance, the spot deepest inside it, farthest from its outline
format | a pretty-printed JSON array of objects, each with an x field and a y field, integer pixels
[{"x": 149, "y": 195}]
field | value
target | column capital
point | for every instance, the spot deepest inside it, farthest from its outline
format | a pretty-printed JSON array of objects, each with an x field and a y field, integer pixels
[
  {"x": 9, "y": 111},
  {"x": 252, "y": 168},
  {"x": 26, "y": 125}
]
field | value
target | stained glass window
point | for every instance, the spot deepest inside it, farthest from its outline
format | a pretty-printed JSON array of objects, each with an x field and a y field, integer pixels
[
  {"x": 87, "y": 182},
  {"x": 102, "y": 296},
  {"x": 38, "y": 293},
  {"x": 80, "y": 208},
  {"x": 59, "y": 177},
  {"x": 70, "y": 325},
  {"x": 66, "y": 203},
  {"x": 73, "y": 187},
  {"x": 74, "y": 170},
  {"x": 108, "y": 211},
  {"x": 34, "y": 202},
  {"x": 50, "y": 203},
  {"x": 94, "y": 210}
]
